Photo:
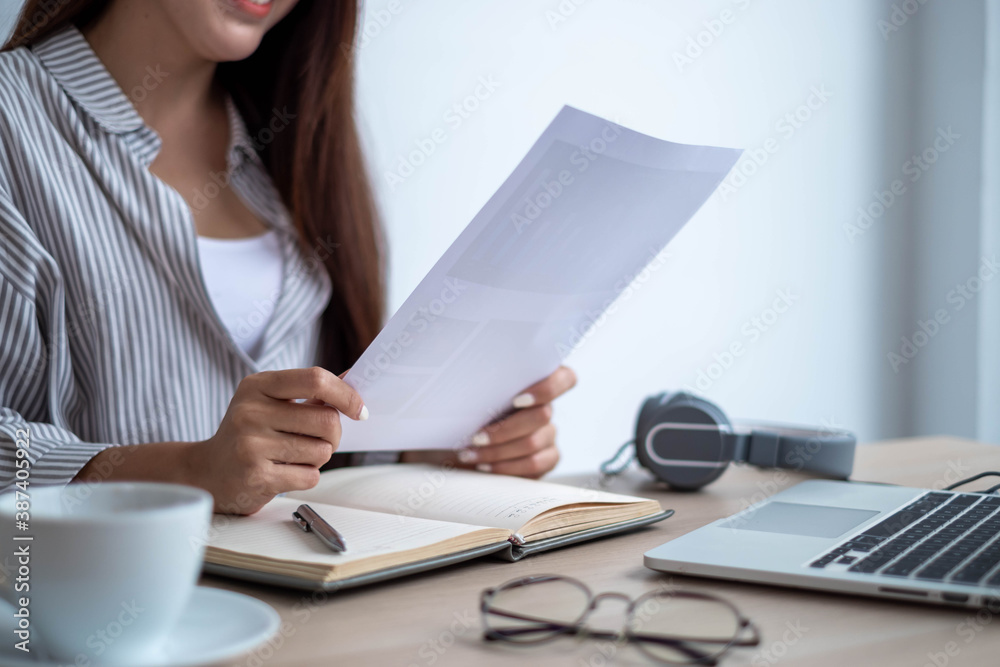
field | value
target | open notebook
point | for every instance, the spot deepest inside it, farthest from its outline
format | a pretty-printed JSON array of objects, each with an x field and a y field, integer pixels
[{"x": 402, "y": 518}]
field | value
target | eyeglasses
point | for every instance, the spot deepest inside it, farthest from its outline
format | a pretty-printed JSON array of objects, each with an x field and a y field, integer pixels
[{"x": 670, "y": 626}]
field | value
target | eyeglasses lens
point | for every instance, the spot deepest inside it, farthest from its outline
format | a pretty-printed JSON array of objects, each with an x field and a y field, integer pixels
[
  {"x": 683, "y": 630},
  {"x": 535, "y": 612}
]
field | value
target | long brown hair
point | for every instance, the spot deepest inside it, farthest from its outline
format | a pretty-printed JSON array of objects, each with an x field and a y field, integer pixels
[{"x": 304, "y": 65}]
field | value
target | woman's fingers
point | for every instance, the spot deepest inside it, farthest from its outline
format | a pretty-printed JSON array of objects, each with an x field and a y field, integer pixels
[
  {"x": 294, "y": 477},
  {"x": 317, "y": 421},
  {"x": 513, "y": 426},
  {"x": 535, "y": 441},
  {"x": 547, "y": 390},
  {"x": 533, "y": 466},
  {"x": 517, "y": 444},
  {"x": 300, "y": 450},
  {"x": 311, "y": 383}
]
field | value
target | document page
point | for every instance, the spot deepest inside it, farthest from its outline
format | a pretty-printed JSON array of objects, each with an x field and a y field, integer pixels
[{"x": 589, "y": 206}]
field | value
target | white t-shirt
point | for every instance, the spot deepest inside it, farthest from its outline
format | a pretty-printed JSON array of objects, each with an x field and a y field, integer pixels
[{"x": 243, "y": 277}]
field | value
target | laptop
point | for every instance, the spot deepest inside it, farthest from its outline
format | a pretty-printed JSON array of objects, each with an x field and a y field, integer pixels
[{"x": 851, "y": 537}]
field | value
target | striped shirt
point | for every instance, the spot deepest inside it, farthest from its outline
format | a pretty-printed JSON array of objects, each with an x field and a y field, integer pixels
[{"x": 107, "y": 333}]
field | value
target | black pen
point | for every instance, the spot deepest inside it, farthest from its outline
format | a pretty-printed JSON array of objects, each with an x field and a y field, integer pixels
[{"x": 310, "y": 521}]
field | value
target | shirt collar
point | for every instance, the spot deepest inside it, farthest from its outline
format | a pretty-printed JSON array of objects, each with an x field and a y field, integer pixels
[
  {"x": 72, "y": 62},
  {"x": 241, "y": 145},
  {"x": 74, "y": 65}
]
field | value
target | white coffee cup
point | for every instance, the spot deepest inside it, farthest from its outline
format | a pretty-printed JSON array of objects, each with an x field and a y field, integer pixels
[{"x": 108, "y": 570}]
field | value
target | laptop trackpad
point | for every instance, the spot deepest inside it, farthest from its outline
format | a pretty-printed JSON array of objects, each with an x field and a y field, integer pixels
[{"x": 799, "y": 519}]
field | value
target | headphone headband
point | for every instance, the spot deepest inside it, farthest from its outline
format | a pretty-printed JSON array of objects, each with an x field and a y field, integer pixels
[
  {"x": 823, "y": 451},
  {"x": 688, "y": 441}
]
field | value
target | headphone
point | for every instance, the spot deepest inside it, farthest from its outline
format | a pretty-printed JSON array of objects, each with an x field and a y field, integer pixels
[{"x": 687, "y": 441}]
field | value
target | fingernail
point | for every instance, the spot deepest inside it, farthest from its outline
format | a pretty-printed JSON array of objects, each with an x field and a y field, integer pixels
[
  {"x": 523, "y": 401},
  {"x": 364, "y": 413},
  {"x": 484, "y": 467},
  {"x": 480, "y": 439},
  {"x": 467, "y": 456}
]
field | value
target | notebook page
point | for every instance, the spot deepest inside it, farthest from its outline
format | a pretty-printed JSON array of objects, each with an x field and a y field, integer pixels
[
  {"x": 272, "y": 533},
  {"x": 449, "y": 495}
]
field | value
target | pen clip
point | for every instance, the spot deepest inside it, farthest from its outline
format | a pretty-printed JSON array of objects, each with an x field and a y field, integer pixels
[{"x": 298, "y": 518}]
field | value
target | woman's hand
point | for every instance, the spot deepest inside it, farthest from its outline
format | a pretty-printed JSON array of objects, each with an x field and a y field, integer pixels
[
  {"x": 269, "y": 444},
  {"x": 522, "y": 443}
]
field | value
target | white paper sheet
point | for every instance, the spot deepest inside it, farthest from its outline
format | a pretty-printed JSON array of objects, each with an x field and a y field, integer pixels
[{"x": 589, "y": 206}]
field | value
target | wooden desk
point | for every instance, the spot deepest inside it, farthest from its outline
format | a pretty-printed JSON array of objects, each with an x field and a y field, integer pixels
[{"x": 432, "y": 619}]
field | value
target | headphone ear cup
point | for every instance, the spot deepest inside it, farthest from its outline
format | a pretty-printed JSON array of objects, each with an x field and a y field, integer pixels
[
  {"x": 680, "y": 439},
  {"x": 648, "y": 410}
]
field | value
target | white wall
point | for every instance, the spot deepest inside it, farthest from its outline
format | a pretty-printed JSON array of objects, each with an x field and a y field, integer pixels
[
  {"x": 824, "y": 361},
  {"x": 943, "y": 224},
  {"x": 989, "y": 323}
]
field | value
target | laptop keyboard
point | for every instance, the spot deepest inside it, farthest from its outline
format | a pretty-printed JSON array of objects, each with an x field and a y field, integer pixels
[{"x": 953, "y": 537}]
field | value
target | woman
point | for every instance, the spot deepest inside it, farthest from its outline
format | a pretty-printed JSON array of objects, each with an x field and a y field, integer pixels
[{"x": 189, "y": 240}]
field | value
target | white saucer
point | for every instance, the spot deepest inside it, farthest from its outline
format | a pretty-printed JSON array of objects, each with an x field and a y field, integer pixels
[{"x": 215, "y": 625}]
